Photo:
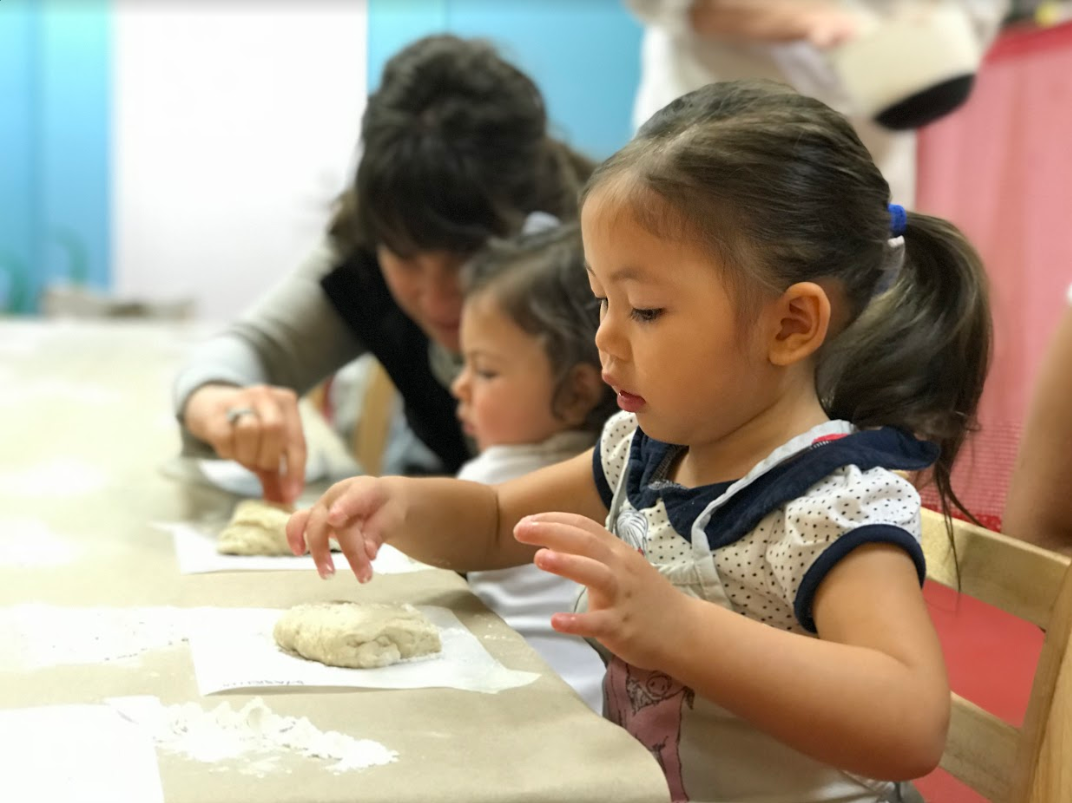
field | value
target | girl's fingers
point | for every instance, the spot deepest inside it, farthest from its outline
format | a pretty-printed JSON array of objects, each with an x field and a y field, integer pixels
[
  {"x": 571, "y": 519},
  {"x": 352, "y": 544},
  {"x": 352, "y": 499},
  {"x": 317, "y": 533},
  {"x": 296, "y": 531},
  {"x": 567, "y": 533},
  {"x": 595, "y": 624},
  {"x": 597, "y": 576}
]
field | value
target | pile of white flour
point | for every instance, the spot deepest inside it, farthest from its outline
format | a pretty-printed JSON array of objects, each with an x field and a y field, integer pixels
[{"x": 251, "y": 732}]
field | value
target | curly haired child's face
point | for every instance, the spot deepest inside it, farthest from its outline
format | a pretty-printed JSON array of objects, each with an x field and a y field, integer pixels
[{"x": 506, "y": 387}]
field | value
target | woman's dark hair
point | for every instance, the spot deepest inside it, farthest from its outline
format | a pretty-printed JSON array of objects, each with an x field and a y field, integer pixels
[
  {"x": 454, "y": 151},
  {"x": 539, "y": 281},
  {"x": 780, "y": 190}
]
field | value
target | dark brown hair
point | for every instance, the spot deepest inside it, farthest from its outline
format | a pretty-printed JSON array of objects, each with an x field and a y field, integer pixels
[
  {"x": 454, "y": 150},
  {"x": 539, "y": 281},
  {"x": 780, "y": 190}
]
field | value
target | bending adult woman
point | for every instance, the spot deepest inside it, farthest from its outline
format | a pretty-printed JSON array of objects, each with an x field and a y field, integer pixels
[{"x": 454, "y": 150}]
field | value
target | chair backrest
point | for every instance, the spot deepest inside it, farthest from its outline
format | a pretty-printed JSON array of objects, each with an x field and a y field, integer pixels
[
  {"x": 1032, "y": 764},
  {"x": 374, "y": 422}
]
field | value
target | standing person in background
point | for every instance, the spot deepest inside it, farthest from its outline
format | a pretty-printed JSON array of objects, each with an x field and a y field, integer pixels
[
  {"x": 690, "y": 43},
  {"x": 1039, "y": 506},
  {"x": 455, "y": 149},
  {"x": 531, "y": 395}
]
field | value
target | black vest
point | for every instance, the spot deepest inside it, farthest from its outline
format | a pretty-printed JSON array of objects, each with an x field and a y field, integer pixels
[{"x": 357, "y": 290}]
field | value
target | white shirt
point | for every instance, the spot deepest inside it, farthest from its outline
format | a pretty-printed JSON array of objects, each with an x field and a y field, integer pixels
[
  {"x": 675, "y": 60},
  {"x": 525, "y": 596}
]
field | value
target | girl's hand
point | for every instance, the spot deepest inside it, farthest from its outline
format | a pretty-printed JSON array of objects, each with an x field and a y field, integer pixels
[
  {"x": 358, "y": 514},
  {"x": 632, "y": 609},
  {"x": 259, "y": 427}
]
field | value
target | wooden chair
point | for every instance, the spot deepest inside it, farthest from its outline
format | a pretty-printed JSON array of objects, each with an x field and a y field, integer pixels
[
  {"x": 1032, "y": 764},
  {"x": 368, "y": 443}
]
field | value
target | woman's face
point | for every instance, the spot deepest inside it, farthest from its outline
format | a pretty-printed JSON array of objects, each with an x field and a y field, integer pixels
[{"x": 427, "y": 288}]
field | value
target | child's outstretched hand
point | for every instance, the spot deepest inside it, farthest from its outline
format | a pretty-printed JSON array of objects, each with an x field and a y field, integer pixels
[
  {"x": 632, "y": 609},
  {"x": 358, "y": 513}
]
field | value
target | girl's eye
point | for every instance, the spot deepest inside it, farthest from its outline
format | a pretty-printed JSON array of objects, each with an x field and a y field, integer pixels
[
  {"x": 485, "y": 374},
  {"x": 646, "y": 315},
  {"x": 602, "y": 301}
]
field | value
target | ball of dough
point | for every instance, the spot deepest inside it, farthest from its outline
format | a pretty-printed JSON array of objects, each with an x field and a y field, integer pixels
[
  {"x": 256, "y": 528},
  {"x": 358, "y": 635}
]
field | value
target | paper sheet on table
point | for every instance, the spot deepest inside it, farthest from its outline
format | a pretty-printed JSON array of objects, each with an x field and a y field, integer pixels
[
  {"x": 77, "y": 754},
  {"x": 195, "y": 550},
  {"x": 238, "y": 652},
  {"x": 232, "y": 477}
]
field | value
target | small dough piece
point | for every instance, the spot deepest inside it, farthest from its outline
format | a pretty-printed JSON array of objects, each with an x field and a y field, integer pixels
[
  {"x": 256, "y": 528},
  {"x": 357, "y": 635}
]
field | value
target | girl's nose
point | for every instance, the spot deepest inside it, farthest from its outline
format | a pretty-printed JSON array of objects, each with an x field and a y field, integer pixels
[
  {"x": 608, "y": 339},
  {"x": 459, "y": 388}
]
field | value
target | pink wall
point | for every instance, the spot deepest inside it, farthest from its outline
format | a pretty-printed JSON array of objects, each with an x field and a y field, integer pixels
[{"x": 1001, "y": 169}]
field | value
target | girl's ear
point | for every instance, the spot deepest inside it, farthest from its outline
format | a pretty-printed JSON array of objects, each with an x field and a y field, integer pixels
[
  {"x": 801, "y": 322},
  {"x": 583, "y": 391}
]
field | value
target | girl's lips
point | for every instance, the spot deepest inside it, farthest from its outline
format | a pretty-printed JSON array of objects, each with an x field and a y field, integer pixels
[{"x": 629, "y": 402}]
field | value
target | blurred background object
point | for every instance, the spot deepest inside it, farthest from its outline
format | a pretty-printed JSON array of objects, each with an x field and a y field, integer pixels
[
  {"x": 174, "y": 158},
  {"x": 193, "y": 150}
]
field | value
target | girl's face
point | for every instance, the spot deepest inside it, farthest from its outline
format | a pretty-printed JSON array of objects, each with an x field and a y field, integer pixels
[
  {"x": 506, "y": 387},
  {"x": 427, "y": 288},
  {"x": 669, "y": 338}
]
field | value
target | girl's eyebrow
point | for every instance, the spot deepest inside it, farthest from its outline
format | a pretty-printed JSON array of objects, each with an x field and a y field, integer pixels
[
  {"x": 626, "y": 274},
  {"x": 474, "y": 353}
]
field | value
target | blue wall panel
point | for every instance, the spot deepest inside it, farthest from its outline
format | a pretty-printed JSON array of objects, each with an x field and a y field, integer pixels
[
  {"x": 76, "y": 79},
  {"x": 55, "y": 92},
  {"x": 19, "y": 202}
]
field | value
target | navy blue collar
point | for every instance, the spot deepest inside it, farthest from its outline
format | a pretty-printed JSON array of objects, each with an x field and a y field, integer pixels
[{"x": 650, "y": 461}]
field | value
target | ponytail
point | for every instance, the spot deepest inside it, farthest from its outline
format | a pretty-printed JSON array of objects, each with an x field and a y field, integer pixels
[{"x": 918, "y": 355}]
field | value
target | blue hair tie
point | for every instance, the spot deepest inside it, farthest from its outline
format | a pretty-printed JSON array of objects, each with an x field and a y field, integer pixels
[{"x": 898, "y": 220}]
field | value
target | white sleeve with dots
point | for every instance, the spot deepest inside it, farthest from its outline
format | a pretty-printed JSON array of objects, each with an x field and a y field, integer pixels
[{"x": 846, "y": 510}]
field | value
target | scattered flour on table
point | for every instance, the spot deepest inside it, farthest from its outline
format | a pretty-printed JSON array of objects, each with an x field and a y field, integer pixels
[
  {"x": 28, "y": 543},
  {"x": 36, "y": 635},
  {"x": 58, "y": 390},
  {"x": 62, "y": 477},
  {"x": 252, "y": 732}
]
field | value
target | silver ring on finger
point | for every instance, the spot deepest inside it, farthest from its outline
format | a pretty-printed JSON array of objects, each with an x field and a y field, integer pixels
[{"x": 235, "y": 413}]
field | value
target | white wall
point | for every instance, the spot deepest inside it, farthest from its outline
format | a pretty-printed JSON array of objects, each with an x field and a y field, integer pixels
[{"x": 235, "y": 123}]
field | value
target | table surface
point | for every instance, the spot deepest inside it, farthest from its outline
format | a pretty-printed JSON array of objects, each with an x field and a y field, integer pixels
[{"x": 98, "y": 395}]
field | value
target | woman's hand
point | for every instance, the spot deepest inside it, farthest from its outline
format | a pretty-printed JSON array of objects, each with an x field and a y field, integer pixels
[
  {"x": 258, "y": 427},
  {"x": 357, "y": 513},
  {"x": 822, "y": 23},
  {"x": 632, "y": 609}
]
